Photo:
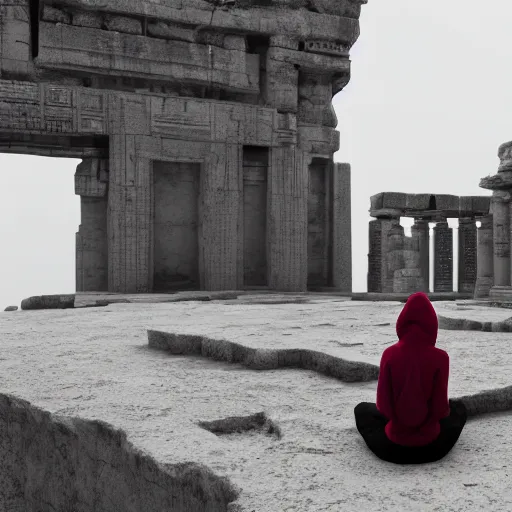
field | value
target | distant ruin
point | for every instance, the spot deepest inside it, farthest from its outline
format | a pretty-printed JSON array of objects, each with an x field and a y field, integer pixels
[
  {"x": 400, "y": 264},
  {"x": 499, "y": 230},
  {"x": 206, "y": 131}
]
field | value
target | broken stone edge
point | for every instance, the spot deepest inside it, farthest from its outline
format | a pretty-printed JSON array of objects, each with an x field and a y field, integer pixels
[
  {"x": 75, "y": 463},
  {"x": 239, "y": 424},
  {"x": 485, "y": 402},
  {"x": 69, "y": 301},
  {"x": 464, "y": 324},
  {"x": 263, "y": 359}
]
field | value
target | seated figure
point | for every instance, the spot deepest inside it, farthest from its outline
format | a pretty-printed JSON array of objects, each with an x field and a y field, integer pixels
[{"x": 413, "y": 422}]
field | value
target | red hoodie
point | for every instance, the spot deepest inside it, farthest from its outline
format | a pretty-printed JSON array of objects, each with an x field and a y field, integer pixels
[{"x": 413, "y": 381}]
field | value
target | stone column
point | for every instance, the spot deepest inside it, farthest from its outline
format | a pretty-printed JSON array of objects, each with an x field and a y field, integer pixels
[
  {"x": 17, "y": 44},
  {"x": 287, "y": 220},
  {"x": 467, "y": 255},
  {"x": 342, "y": 229},
  {"x": 129, "y": 214},
  {"x": 485, "y": 277},
  {"x": 443, "y": 257},
  {"x": 91, "y": 184},
  {"x": 501, "y": 239},
  {"x": 380, "y": 273},
  {"x": 421, "y": 231}
]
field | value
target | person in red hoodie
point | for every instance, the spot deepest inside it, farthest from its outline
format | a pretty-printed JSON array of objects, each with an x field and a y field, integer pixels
[{"x": 413, "y": 422}]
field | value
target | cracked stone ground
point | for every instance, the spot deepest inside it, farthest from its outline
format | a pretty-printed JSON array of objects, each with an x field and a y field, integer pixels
[{"x": 95, "y": 363}]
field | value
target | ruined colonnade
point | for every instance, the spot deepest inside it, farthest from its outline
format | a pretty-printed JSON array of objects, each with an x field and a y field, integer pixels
[{"x": 400, "y": 264}]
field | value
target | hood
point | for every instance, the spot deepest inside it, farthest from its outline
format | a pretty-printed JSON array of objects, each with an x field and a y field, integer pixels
[{"x": 418, "y": 320}]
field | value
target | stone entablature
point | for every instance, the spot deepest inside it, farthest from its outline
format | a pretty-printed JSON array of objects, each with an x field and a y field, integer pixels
[{"x": 428, "y": 206}]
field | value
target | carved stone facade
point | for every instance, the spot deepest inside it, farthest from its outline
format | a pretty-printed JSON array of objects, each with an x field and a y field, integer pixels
[
  {"x": 206, "y": 129},
  {"x": 400, "y": 264}
]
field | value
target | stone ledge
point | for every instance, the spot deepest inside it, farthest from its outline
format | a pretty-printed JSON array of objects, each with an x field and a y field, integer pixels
[
  {"x": 402, "y": 297},
  {"x": 77, "y": 464},
  {"x": 263, "y": 359},
  {"x": 463, "y": 324},
  {"x": 48, "y": 302}
]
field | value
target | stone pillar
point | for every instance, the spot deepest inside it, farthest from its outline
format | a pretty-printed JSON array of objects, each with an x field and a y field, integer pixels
[
  {"x": 17, "y": 44},
  {"x": 467, "y": 255},
  {"x": 501, "y": 239},
  {"x": 342, "y": 229},
  {"x": 443, "y": 257},
  {"x": 380, "y": 243},
  {"x": 129, "y": 214},
  {"x": 421, "y": 232},
  {"x": 91, "y": 184},
  {"x": 220, "y": 208},
  {"x": 288, "y": 211},
  {"x": 485, "y": 277}
]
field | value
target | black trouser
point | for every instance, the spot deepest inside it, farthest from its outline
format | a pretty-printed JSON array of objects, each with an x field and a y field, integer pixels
[{"x": 371, "y": 423}]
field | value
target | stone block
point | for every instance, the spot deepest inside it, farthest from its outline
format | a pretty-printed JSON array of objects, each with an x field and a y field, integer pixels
[
  {"x": 411, "y": 258},
  {"x": 235, "y": 42},
  {"x": 418, "y": 201},
  {"x": 49, "y": 302},
  {"x": 407, "y": 280},
  {"x": 55, "y": 15},
  {"x": 11, "y": 308},
  {"x": 388, "y": 200},
  {"x": 445, "y": 202},
  {"x": 123, "y": 24},
  {"x": 87, "y": 19},
  {"x": 170, "y": 31},
  {"x": 505, "y": 156},
  {"x": 288, "y": 42},
  {"x": 471, "y": 206}
]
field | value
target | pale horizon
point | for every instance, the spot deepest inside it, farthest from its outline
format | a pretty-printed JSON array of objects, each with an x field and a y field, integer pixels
[{"x": 427, "y": 107}]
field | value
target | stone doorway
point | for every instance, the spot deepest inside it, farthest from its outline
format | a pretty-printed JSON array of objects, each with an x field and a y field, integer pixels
[
  {"x": 255, "y": 172},
  {"x": 319, "y": 224},
  {"x": 175, "y": 221}
]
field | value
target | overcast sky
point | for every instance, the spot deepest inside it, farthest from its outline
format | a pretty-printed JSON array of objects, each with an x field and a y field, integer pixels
[{"x": 429, "y": 103}]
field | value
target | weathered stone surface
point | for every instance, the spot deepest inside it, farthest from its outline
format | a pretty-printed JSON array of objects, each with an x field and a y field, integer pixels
[
  {"x": 170, "y": 31},
  {"x": 49, "y": 302},
  {"x": 123, "y": 24},
  {"x": 11, "y": 308},
  {"x": 54, "y": 462},
  {"x": 87, "y": 19},
  {"x": 55, "y": 15}
]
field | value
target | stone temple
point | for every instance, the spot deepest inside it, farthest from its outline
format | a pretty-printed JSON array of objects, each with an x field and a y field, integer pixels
[{"x": 206, "y": 131}]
